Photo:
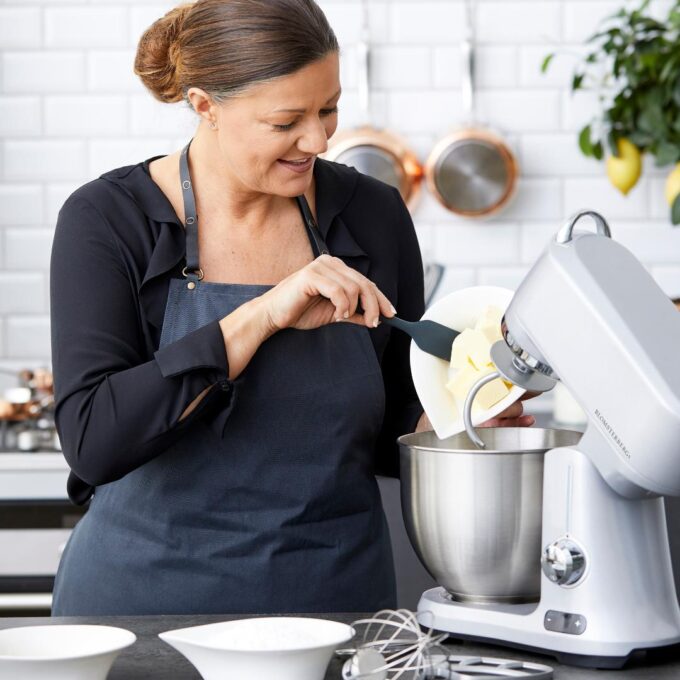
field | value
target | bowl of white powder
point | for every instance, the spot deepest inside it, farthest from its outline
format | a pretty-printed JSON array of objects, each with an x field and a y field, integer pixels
[{"x": 282, "y": 647}]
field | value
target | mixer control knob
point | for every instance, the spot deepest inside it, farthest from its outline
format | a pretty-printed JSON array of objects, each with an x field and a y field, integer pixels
[{"x": 564, "y": 562}]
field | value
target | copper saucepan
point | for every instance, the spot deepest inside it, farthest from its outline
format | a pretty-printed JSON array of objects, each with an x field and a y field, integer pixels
[
  {"x": 34, "y": 394},
  {"x": 472, "y": 172},
  {"x": 372, "y": 151}
]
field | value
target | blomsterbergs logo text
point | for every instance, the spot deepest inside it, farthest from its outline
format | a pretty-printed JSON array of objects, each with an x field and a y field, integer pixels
[{"x": 612, "y": 433}]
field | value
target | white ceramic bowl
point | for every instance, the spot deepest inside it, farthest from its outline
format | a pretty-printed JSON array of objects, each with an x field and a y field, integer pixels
[
  {"x": 282, "y": 647},
  {"x": 60, "y": 652},
  {"x": 457, "y": 310}
]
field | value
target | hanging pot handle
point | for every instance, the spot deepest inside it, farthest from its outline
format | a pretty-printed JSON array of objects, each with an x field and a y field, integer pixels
[
  {"x": 468, "y": 61},
  {"x": 364, "y": 65}
]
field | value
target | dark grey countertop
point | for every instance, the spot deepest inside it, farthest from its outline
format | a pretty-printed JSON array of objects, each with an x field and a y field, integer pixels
[{"x": 152, "y": 659}]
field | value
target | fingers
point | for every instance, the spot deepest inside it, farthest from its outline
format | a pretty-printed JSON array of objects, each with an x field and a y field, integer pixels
[
  {"x": 521, "y": 421},
  {"x": 359, "y": 291},
  {"x": 318, "y": 284},
  {"x": 511, "y": 417},
  {"x": 513, "y": 411},
  {"x": 529, "y": 395},
  {"x": 424, "y": 424},
  {"x": 350, "y": 289}
]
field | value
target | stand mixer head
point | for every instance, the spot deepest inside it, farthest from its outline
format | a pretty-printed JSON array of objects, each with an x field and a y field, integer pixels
[{"x": 590, "y": 313}]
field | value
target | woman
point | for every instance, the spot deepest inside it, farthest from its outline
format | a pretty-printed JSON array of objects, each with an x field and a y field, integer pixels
[{"x": 225, "y": 427}]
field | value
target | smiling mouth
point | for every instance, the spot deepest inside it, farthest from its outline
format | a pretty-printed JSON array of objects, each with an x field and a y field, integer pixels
[{"x": 299, "y": 166}]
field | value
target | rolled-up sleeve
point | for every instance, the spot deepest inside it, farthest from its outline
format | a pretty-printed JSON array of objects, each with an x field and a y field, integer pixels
[
  {"x": 115, "y": 408},
  {"x": 402, "y": 406}
]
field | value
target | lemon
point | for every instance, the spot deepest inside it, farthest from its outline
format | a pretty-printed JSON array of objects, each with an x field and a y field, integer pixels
[
  {"x": 673, "y": 184},
  {"x": 624, "y": 171}
]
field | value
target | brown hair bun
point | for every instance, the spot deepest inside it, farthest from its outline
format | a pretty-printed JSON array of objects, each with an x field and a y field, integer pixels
[
  {"x": 226, "y": 46},
  {"x": 158, "y": 61}
]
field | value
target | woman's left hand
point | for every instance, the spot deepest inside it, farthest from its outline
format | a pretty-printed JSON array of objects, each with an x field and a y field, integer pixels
[{"x": 513, "y": 416}]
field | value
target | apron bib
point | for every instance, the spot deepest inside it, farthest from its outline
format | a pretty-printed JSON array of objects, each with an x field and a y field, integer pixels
[{"x": 278, "y": 513}]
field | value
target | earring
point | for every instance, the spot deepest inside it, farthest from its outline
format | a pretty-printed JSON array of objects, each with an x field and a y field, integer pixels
[{"x": 213, "y": 125}]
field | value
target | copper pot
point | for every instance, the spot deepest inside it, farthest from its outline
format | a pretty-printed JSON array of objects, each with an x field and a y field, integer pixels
[
  {"x": 472, "y": 172},
  {"x": 34, "y": 395},
  {"x": 380, "y": 154},
  {"x": 18, "y": 404},
  {"x": 372, "y": 151}
]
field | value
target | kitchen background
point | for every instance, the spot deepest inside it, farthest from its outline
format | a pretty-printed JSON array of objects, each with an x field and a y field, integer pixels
[{"x": 71, "y": 108}]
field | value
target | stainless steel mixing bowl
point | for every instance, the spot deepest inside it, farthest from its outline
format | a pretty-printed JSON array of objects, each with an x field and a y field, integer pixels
[{"x": 474, "y": 516}]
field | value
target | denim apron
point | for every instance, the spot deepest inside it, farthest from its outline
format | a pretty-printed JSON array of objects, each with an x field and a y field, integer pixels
[{"x": 278, "y": 511}]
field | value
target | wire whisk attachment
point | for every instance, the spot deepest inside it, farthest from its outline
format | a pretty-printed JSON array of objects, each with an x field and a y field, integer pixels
[{"x": 390, "y": 645}]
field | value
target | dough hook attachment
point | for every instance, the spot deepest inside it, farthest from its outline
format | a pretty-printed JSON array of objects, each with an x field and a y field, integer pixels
[{"x": 467, "y": 408}]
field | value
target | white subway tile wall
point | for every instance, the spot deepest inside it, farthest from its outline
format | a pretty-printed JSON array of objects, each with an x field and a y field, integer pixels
[{"x": 71, "y": 108}]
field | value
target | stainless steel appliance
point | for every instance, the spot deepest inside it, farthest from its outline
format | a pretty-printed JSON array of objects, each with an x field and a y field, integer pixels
[
  {"x": 36, "y": 519},
  {"x": 481, "y": 535},
  {"x": 590, "y": 315},
  {"x": 27, "y": 412}
]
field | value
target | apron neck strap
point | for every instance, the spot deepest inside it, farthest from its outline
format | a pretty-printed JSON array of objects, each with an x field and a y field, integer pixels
[
  {"x": 192, "y": 268},
  {"x": 318, "y": 244},
  {"x": 190, "y": 216}
]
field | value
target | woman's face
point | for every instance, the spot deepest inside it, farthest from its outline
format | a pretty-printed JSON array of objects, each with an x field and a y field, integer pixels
[{"x": 269, "y": 137}]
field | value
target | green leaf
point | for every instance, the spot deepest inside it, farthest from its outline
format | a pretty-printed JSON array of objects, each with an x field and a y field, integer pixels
[
  {"x": 653, "y": 98},
  {"x": 668, "y": 69},
  {"x": 613, "y": 143},
  {"x": 641, "y": 139},
  {"x": 611, "y": 33},
  {"x": 598, "y": 151},
  {"x": 546, "y": 62},
  {"x": 576, "y": 81},
  {"x": 675, "y": 210},
  {"x": 651, "y": 120},
  {"x": 667, "y": 153},
  {"x": 584, "y": 141},
  {"x": 676, "y": 92},
  {"x": 674, "y": 17}
]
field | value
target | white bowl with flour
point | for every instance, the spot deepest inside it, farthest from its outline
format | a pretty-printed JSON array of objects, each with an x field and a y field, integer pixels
[{"x": 282, "y": 647}]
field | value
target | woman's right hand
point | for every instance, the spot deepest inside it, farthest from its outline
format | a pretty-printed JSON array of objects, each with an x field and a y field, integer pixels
[{"x": 324, "y": 291}]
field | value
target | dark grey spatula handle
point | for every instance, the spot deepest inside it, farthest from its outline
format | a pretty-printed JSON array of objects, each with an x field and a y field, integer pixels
[{"x": 432, "y": 337}]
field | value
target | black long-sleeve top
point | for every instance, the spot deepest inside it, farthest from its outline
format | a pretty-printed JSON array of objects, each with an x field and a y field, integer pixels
[{"x": 117, "y": 244}]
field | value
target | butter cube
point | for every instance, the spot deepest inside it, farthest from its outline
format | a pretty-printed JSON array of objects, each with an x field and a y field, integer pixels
[
  {"x": 491, "y": 332},
  {"x": 490, "y": 316},
  {"x": 471, "y": 360},
  {"x": 489, "y": 324},
  {"x": 491, "y": 394},
  {"x": 471, "y": 346},
  {"x": 479, "y": 351},
  {"x": 460, "y": 350},
  {"x": 462, "y": 383}
]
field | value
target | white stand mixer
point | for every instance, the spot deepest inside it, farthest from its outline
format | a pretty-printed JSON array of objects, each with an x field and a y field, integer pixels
[{"x": 590, "y": 313}]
